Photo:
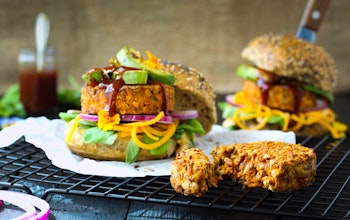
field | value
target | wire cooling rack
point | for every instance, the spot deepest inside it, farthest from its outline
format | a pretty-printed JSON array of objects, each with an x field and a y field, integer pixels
[{"x": 22, "y": 165}]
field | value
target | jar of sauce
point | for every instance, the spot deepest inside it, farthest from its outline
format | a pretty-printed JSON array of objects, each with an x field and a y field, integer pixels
[{"x": 38, "y": 90}]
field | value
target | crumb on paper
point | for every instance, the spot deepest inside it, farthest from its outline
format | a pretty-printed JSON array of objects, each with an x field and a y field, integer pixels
[{"x": 146, "y": 169}]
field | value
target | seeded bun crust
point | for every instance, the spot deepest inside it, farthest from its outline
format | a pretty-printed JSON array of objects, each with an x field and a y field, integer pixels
[
  {"x": 291, "y": 57},
  {"x": 193, "y": 91}
]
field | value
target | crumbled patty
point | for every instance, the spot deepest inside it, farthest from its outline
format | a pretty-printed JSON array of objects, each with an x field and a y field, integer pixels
[
  {"x": 192, "y": 173},
  {"x": 131, "y": 99},
  {"x": 277, "y": 166}
]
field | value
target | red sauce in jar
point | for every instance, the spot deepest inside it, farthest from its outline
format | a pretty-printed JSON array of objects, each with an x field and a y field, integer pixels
[{"x": 38, "y": 91}]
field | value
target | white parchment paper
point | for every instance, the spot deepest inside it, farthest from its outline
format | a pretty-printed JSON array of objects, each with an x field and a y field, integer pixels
[{"x": 48, "y": 135}]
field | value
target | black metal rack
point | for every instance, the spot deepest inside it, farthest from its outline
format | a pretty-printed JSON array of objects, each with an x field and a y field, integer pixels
[{"x": 22, "y": 165}]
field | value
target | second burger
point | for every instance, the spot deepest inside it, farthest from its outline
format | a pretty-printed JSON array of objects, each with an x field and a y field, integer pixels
[{"x": 288, "y": 86}]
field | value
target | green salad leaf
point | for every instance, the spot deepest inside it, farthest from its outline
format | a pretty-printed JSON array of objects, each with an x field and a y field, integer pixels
[
  {"x": 159, "y": 150},
  {"x": 132, "y": 152},
  {"x": 97, "y": 135},
  {"x": 65, "y": 116},
  {"x": 10, "y": 103}
]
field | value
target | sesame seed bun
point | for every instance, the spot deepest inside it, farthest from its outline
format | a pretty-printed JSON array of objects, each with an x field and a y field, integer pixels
[
  {"x": 193, "y": 91},
  {"x": 291, "y": 57}
]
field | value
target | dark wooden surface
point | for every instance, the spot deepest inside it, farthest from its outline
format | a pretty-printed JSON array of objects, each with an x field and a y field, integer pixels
[{"x": 83, "y": 207}]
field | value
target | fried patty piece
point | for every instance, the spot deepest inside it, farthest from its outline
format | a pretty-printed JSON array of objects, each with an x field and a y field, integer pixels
[
  {"x": 276, "y": 166},
  {"x": 192, "y": 173},
  {"x": 130, "y": 99},
  {"x": 282, "y": 97}
]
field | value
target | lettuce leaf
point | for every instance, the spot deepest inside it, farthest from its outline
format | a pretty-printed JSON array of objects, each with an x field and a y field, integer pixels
[
  {"x": 132, "y": 152},
  {"x": 159, "y": 150},
  {"x": 97, "y": 135}
]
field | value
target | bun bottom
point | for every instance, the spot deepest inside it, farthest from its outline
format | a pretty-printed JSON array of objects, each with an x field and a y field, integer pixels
[{"x": 114, "y": 152}]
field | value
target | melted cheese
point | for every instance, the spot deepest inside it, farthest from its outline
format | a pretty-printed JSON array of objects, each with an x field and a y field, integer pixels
[
  {"x": 262, "y": 114},
  {"x": 160, "y": 133},
  {"x": 74, "y": 127}
]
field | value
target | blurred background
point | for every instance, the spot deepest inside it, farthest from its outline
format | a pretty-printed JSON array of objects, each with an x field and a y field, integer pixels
[{"x": 206, "y": 34}]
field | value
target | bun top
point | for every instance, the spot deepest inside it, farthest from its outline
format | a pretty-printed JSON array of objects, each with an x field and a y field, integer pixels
[
  {"x": 193, "y": 91},
  {"x": 291, "y": 57}
]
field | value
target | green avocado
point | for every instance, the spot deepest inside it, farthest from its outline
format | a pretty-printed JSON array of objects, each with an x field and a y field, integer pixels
[
  {"x": 247, "y": 72},
  {"x": 132, "y": 58},
  {"x": 135, "y": 77},
  {"x": 95, "y": 75}
]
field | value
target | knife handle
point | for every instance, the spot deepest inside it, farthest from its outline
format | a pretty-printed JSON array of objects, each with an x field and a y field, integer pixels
[{"x": 314, "y": 12}]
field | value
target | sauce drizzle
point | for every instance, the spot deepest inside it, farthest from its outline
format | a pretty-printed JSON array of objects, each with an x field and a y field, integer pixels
[{"x": 266, "y": 87}]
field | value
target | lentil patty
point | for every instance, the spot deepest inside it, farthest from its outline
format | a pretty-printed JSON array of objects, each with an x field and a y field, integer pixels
[{"x": 131, "y": 99}]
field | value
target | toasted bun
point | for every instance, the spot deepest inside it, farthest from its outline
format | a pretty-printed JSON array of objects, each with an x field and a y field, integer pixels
[
  {"x": 115, "y": 152},
  {"x": 193, "y": 91},
  {"x": 294, "y": 58}
]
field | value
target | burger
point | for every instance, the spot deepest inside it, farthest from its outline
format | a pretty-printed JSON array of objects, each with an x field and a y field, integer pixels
[
  {"x": 139, "y": 109},
  {"x": 288, "y": 85}
]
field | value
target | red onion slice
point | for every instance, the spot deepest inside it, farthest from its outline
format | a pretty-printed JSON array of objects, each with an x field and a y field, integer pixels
[
  {"x": 27, "y": 203},
  {"x": 184, "y": 114},
  {"x": 28, "y": 208},
  {"x": 165, "y": 119},
  {"x": 93, "y": 118},
  {"x": 229, "y": 100}
]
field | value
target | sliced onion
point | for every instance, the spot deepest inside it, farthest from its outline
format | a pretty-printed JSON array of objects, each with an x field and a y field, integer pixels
[
  {"x": 165, "y": 119},
  {"x": 87, "y": 117},
  {"x": 28, "y": 208},
  {"x": 229, "y": 100},
  {"x": 27, "y": 203},
  {"x": 184, "y": 114}
]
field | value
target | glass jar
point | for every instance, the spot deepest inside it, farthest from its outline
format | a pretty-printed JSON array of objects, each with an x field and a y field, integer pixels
[{"x": 38, "y": 90}]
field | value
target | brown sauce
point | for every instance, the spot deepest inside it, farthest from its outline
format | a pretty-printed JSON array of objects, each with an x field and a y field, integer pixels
[
  {"x": 266, "y": 87},
  {"x": 38, "y": 91},
  {"x": 113, "y": 86},
  {"x": 164, "y": 97},
  {"x": 264, "y": 90},
  {"x": 117, "y": 84}
]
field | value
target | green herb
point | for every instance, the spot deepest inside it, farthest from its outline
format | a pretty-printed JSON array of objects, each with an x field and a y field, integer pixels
[
  {"x": 227, "y": 109},
  {"x": 87, "y": 124},
  {"x": 321, "y": 92},
  {"x": 132, "y": 152},
  {"x": 276, "y": 119},
  {"x": 97, "y": 135},
  {"x": 65, "y": 116},
  {"x": 190, "y": 127},
  {"x": 159, "y": 150},
  {"x": 10, "y": 103}
]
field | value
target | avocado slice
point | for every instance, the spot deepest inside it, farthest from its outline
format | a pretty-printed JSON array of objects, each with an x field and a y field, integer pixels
[
  {"x": 135, "y": 77},
  {"x": 252, "y": 73},
  {"x": 247, "y": 72},
  {"x": 95, "y": 75},
  {"x": 132, "y": 58}
]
